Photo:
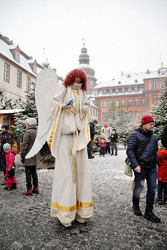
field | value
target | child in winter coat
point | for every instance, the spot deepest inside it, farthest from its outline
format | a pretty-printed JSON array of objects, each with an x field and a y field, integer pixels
[
  {"x": 10, "y": 173},
  {"x": 102, "y": 143},
  {"x": 162, "y": 174}
]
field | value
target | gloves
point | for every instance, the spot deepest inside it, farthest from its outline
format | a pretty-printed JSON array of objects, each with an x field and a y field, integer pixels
[
  {"x": 66, "y": 105},
  {"x": 85, "y": 109}
]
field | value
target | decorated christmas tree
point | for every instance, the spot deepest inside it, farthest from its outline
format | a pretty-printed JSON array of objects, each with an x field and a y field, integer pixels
[{"x": 160, "y": 113}]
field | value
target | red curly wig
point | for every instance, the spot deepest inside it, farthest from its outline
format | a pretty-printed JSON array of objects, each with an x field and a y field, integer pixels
[{"x": 70, "y": 78}]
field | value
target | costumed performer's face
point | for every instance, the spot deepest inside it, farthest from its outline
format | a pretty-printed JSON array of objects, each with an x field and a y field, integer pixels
[{"x": 77, "y": 79}]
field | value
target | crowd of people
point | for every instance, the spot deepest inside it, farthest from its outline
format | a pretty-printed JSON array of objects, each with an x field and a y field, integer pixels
[
  {"x": 8, "y": 152},
  {"x": 105, "y": 143},
  {"x": 72, "y": 145}
]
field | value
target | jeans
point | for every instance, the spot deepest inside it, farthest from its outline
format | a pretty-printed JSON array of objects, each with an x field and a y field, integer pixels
[
  {"x": 108, "y": 147},
  {"x": 31, "y": 171},
  {"x": 113, "y": 147},
  {"x": 102, "y": 150},
  {"x": 150, "y": 174},
  {"x": 162, "y": 185},
  {"x": 89, "y": 149}
]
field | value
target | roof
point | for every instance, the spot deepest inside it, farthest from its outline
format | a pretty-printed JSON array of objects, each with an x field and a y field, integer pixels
[
  {"x": 10, "y": 111},
  {"x": 129, "y": 79},
  {"x": 5, "y": 50}
]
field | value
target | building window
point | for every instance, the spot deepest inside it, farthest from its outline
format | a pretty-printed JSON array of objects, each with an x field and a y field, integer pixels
[
  {"x": 19, "y": 79},
  {"x": 17, "y": 56},
  {"x": 28, "y": 84},
  {"x": 163, "y": 84},
  {"x": 136, "y": 89},
  {"x": 129, "y": 103},
  {"x": 117, "y": 103},
  {"x": 99, "y": 92},
  {"x": 117, "y": 91},
  {"x": 154, "y": 84},
  {"x": 113, "y": 91},
  {"x": 111, "y": 104},
  {"x": 136, "y": 102},
  {"x": 129, "y": 90},
  {"x": 155, "y": 98},
  {"x": 143, "y": 102},
  {"x": 6, "y": 72},
  {"x": 110, "y": 91},
  {"x": 123, "y": 91},
  {"x": 123, "y": 103},
  {"x": 104, "y": 92},
  {"x": 104, "y": 104}
]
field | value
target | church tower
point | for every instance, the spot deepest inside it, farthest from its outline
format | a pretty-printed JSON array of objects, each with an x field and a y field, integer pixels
[{"x": 84, "y": 64}]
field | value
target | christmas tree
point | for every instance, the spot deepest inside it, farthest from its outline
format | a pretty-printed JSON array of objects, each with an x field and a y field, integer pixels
[{"x": 160, "y": 113}]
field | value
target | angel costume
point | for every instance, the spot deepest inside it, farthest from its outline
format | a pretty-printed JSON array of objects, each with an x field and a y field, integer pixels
[{"x": 67, "y": 133}]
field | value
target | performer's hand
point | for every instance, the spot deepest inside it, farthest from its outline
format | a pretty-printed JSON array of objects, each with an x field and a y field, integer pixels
[
  {"x": 138, "y": 169},
  {"x": 66, "y": 105},
  {"x": 85, "y": 109}
]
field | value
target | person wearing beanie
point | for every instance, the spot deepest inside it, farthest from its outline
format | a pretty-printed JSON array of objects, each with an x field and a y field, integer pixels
[
  {"x": 30, "y": 164},
  {"x": 92, "y": 134},
  {"x": 142, "y": 153},
  {"x": 114, "y": 139},
  {"x": 10, "y": 167},
  {"x": 5, "y": 137}
]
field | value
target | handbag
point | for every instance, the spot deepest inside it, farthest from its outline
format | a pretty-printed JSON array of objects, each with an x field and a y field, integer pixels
[{"x": 129, "y": 164}]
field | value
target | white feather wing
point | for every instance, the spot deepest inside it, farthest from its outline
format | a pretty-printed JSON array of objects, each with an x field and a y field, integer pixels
[{"x": 46, "y": 86}]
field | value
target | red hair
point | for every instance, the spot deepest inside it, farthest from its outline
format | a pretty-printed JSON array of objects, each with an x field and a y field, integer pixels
[{"x": 70, "y": 78}]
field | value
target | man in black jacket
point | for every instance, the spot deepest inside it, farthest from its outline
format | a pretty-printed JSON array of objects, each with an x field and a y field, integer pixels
[
  {"x": 145, "y": 165},
  {"x": 164, "y": 137},
  {"x": 92, "y": 134}
]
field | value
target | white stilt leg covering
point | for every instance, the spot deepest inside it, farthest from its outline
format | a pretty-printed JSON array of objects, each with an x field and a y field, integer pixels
[{"x": 69, "y": 198}]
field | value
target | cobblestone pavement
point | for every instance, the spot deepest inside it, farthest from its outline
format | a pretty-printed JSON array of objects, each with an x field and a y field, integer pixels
[{"x": 25, "y": 222}]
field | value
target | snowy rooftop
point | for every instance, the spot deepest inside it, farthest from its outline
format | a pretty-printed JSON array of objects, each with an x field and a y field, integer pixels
[
  {"x": 5, "y": 50},
  {"x": 130, "y": 79},
  {"x": 10, "y": 111}
]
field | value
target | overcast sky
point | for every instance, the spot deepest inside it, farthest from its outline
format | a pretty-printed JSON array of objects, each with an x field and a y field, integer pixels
[{"x": 120, "y": 35}]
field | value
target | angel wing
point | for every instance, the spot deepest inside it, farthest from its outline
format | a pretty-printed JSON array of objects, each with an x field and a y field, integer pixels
[{"x": 46, "y": 86}]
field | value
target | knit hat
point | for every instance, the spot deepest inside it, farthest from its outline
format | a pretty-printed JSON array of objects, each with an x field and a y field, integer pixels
[
  {"x": 95, "y": 121},
  {"x": 31, "y": 121},
  {"x": 114, "y": 129},
  {"x": 6, "y": 146},
  {"x": 146, "y": 119}
]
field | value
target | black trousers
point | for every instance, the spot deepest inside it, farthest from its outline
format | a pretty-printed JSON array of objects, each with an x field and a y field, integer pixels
[{"x": 31, "y": 172}]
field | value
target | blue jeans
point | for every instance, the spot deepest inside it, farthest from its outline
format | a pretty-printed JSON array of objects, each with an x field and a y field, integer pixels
[{"x": 150, "y": 174}]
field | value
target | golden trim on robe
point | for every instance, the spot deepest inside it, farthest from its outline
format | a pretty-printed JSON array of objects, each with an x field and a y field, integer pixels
[
  {"x": 53, "y": 129},
  {"x": 70, "y": 209},
  {"x": 87, "y": 128}
]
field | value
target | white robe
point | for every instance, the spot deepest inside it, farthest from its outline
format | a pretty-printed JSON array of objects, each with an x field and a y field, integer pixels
[{"x": 70, "y": 198}]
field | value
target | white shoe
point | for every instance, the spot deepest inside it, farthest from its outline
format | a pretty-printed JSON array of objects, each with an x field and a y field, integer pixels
[
  {"x": 67, "y": 224},
  {"x": 79, "y": 219}
]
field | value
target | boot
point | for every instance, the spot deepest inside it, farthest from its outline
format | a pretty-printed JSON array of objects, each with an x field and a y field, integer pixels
[
  {"x": 35, "y": 190},
  {"x": 28, "y": 192}
]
